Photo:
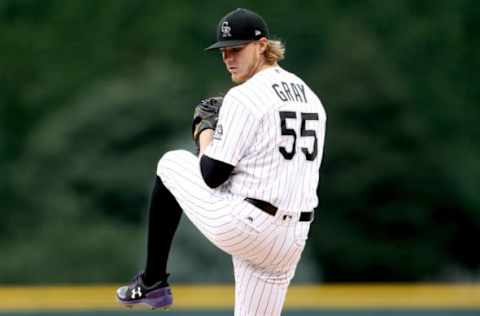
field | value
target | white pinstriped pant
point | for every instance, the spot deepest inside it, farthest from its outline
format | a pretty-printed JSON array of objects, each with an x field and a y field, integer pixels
[{"x": 265, "y": 249}]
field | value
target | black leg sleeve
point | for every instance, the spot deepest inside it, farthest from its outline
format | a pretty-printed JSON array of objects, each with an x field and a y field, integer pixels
[{"x": 163, "y": 218}]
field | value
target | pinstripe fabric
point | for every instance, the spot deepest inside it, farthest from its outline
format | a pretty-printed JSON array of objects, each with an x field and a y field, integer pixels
[
  {"x": 265, "y": 249},
  {"x": 250, "y": 116}
]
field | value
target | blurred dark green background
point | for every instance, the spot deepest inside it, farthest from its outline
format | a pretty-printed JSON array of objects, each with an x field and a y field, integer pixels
[{"x": 93, "y": 92}]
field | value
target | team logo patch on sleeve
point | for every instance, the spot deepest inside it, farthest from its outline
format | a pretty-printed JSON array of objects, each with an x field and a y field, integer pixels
[{"x": 218, "y": 132}]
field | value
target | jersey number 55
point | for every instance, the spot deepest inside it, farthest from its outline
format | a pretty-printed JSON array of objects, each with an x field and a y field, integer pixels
[{"x": 284, "y": 115}]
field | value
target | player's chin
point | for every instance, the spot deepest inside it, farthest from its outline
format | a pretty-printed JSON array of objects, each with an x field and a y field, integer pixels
[{"x": 237, "y": 79}]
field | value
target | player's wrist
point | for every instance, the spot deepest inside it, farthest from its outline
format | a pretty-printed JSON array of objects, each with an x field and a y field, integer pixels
[{"x": 205, "y": 137}]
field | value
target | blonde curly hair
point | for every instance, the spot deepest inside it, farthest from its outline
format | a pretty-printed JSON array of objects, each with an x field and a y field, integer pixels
[{"x": 274, "y": 52}]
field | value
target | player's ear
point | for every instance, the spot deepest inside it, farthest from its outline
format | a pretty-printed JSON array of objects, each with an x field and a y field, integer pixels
[{"x": 263, "y": 44}]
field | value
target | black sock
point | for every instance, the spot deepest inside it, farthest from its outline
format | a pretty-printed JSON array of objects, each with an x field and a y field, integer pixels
[{"x": 163, "y": 218}]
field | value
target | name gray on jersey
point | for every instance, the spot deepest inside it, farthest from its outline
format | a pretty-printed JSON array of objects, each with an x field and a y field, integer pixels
[{"x": 290, "y": 91}]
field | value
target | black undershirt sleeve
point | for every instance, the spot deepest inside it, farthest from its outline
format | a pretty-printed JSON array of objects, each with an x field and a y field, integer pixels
[{"x": 214, "y": 172}]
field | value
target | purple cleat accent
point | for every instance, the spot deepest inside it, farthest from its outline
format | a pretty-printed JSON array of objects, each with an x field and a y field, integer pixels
[
  {"x": 161, "y": 297},
  {"x": 158, "y": 295}
]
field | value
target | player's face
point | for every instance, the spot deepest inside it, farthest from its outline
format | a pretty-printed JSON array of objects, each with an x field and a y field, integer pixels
[{"x": 244, "y": 61}]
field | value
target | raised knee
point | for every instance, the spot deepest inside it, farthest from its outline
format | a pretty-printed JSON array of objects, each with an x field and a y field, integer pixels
[
  {"x": 163, "y": 162},
  {"x": 169, "y": 158}
]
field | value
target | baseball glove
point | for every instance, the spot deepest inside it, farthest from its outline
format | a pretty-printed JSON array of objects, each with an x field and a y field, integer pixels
[{"x": 205, "y": 117}]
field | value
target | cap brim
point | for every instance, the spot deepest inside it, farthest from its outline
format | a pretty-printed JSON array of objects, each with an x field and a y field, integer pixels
[{"x": 223, "y": 44}]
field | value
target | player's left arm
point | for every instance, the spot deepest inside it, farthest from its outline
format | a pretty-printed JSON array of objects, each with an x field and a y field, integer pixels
[
  {"x": 230, "y": 140},
  {"x": 205, "y": 117},
  {"x": 204, "y": 139},
  {"x": 214, "y": 172}
]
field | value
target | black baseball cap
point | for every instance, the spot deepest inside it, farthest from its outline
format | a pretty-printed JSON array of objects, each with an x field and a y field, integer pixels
[{"x": 239, "y": 27}]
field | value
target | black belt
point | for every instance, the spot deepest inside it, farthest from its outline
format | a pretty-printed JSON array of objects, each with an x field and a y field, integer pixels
[{"x": 272, "y": 210}]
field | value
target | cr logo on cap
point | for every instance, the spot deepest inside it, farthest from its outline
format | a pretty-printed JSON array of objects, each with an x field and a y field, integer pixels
[{"x": 226, "y": 29}]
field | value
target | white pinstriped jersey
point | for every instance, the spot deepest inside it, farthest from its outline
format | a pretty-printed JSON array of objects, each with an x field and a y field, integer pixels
[{"x": 272, "y": 129}]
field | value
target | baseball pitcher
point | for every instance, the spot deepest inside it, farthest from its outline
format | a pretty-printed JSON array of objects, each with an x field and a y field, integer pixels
[{"x": 251, "y": 190}]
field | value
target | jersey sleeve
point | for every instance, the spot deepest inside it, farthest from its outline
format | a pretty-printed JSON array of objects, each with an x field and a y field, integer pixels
[{"x": 235, "y": 131}]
